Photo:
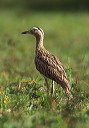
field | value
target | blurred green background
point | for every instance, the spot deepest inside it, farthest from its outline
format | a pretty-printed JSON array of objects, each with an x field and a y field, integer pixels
[
  {"x": 65, "y": 24},
  {"x": 47, "y": 5}
]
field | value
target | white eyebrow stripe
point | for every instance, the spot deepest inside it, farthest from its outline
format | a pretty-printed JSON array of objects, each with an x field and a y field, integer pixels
[{"x": 39, "y": 30}]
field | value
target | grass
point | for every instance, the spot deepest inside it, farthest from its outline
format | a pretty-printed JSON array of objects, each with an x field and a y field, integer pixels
[{"x": 24, "y": 101}]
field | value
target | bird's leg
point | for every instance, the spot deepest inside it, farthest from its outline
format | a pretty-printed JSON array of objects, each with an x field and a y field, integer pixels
[
  {"x": 46, "y": 84},
  {"x": 52, "y": 89}
]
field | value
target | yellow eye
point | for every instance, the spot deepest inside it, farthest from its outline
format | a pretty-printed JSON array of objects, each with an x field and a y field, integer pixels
[{"x": 34, "y": 30}]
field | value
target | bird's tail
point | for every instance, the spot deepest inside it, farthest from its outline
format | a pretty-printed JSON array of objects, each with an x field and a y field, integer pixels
[
  {"x": 65, "y": 86},
  {"x": 69, "y": 93}
]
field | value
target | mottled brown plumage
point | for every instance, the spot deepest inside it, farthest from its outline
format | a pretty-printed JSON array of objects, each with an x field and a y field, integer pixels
[{"x": 47, "y": 64}]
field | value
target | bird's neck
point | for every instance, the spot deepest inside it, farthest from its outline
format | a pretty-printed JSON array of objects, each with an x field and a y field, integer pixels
[{"x": 39, "y": 42}]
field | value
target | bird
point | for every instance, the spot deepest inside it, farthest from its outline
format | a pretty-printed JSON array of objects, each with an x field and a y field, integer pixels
[{"x": 47, "y": 64}]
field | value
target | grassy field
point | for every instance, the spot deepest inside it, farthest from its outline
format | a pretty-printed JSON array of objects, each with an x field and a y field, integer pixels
[{"x": 24, "y": 102}]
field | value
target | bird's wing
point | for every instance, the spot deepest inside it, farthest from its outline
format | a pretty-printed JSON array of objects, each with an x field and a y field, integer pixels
[
  {"x": 50, "y": 66},
  {"x": 58, "y": 64}
]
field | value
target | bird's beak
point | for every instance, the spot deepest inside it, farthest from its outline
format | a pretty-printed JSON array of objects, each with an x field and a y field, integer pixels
[{"x": 26, "y": 32}]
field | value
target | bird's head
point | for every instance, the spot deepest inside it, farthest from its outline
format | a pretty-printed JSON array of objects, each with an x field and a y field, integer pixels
[{"x": 36, "y": 31}]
